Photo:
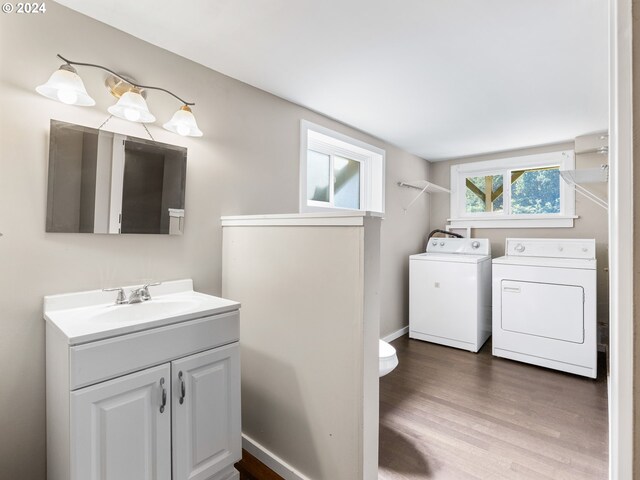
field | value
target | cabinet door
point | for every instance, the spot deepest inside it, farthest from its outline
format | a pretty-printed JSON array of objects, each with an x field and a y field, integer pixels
[
  {"x": 118, "y": 431},
  {"x": 206, "y": 413}
]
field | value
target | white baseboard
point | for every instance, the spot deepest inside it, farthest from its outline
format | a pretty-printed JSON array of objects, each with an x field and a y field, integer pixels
[
  {"x": 397, "y": 334},
  {"x": 271, "y": 460}
]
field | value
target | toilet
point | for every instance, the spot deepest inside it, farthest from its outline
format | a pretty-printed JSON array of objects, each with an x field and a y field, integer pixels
[{"x": 388, "y": 358}]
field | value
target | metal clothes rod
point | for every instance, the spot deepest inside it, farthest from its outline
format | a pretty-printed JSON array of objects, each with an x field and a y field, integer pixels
[
  {"x": 431, "y": 187},
  {"x": 402, "y": 184}
]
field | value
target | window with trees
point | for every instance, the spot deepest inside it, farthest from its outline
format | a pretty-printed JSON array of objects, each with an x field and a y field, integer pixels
[{"x": 523, "y": 191}]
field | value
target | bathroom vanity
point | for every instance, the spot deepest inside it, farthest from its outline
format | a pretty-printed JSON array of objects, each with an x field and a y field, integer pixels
[{"x": 143, "y": 391}]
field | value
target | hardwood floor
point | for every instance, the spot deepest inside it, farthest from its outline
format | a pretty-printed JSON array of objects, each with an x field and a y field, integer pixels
[
  {"x": 448, "y": 414},
  {"x": 250, "y": 468}
]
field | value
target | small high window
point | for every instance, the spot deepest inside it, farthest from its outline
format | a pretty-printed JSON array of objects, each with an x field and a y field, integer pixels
[
  {"x": 339, "y": 172},
  {"x": 523, "y": 191}
]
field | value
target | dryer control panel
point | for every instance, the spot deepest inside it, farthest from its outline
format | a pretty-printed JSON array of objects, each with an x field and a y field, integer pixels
[
  {"x": 463, "y": 246},
  {"x": 584, "y": 248}
]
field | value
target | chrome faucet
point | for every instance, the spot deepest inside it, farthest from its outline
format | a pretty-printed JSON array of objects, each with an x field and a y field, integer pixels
[
  {"x": 137, "y": 295},
  {"x": 144, "y": 291},
  {"x": 121, "y": 298}
]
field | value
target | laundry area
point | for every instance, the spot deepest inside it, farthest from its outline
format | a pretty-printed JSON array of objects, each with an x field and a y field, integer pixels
[{"x": 503, "y": 372}]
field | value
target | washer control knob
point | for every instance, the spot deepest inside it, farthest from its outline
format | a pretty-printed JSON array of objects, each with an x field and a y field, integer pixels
[
  {"x": 434, "y": 243},
  {"x": 442, "y": 244},
  {"x": 475, "y": 244},
  {"x": 519, "y": 248}
]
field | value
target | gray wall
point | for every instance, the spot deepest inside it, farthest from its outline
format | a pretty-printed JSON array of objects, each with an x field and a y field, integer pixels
[
  {"x": 314, "y": 407},
  {"x": 247, "y": 163},
  {"x": 592, "y": 221}
]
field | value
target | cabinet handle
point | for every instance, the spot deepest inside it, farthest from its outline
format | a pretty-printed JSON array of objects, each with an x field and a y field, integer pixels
[
  {"x": 182, "y": 387},
  {"x": 164, "y": 395}
]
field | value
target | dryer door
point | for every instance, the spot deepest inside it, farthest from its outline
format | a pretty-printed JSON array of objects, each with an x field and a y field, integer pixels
[{"x": 543, "y": 309}]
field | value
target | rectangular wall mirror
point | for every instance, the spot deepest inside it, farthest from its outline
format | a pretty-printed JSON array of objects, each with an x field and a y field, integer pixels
[{"x": 104, "y": 182}]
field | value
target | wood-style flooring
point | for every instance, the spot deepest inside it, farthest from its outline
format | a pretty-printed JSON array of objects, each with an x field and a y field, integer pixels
[
  {"x": 250, "y": 468},
  {"x": 447, "y": 414}
]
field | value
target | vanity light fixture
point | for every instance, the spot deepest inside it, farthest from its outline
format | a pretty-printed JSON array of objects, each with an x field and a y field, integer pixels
[
  {"x": 65, "y": 85},
  {"x": 183, "y": 123},
  {"x": 133, "y": 107}
]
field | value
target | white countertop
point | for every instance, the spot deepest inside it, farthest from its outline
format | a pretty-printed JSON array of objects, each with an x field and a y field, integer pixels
[{"x": 92, "y": 315}]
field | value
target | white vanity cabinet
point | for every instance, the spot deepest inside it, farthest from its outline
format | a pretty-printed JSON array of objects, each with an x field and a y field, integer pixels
[
  {"x": 161, "y": 402},
  {"x": 206, "y": 413},
  {"x": 118, "y": 429}
]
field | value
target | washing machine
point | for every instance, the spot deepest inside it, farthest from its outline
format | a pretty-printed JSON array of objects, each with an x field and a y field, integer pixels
[
  {"x": 450, "y": 293},
  {"x": 544, "y": 304}
]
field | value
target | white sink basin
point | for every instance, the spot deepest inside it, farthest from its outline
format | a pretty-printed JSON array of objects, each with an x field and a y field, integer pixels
[
  {"x": 88, "y": 316},
  {"x": 142, "y": 311}
]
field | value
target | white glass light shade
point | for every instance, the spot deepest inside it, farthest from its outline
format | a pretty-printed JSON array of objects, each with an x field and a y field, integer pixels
[
  {"x": 183, "y": 123},
  {"x": 133, "y": 107},
  {"x": 66, "y": 86}
]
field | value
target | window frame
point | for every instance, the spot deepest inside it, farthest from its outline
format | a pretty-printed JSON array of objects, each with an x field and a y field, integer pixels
[
  {"x": 564, "y": 160},
  {"x": 372, "y": 168}
]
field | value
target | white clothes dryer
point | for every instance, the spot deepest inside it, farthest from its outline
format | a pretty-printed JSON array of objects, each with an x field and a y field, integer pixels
[
  {"x": 544, "y": 304},
  {"x": 450, "y": 293}
]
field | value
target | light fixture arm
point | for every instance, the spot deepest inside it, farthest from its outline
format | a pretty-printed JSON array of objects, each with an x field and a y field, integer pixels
[{"x": 144, "y": 87}]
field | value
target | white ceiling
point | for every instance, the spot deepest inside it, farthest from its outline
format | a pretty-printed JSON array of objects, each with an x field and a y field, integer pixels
[{"x": 439, "y": 78}]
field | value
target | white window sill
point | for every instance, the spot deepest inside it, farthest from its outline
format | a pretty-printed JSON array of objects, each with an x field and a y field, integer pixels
[
  {"x": 524, "y": 221},
  {"x": 320, "y": 208}
]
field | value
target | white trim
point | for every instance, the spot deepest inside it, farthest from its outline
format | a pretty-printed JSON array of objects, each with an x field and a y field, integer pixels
[
  {"x": 117, "y": 183},
  {"x": 621, "y": 241},
  {"x": 337, "y": 148},
  {"x": 271, "y": 460},
  {"x": 293, "y": 222},
  {"x": 346, "y": 218},
  {"x": 531, "y": 221},
  {"x": 397, "y": 334},
  {"x": 307, "y": 125},
  {"x": 565, "y": 159},
  {"x": 517, "y": 163}
]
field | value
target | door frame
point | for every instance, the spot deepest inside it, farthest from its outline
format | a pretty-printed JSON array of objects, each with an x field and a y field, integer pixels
[{"x": 621, "y": 240}]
